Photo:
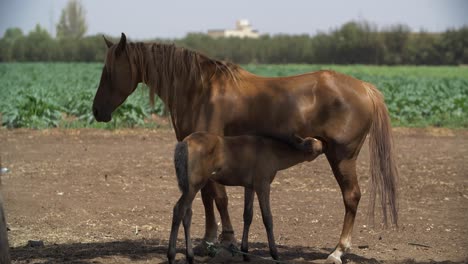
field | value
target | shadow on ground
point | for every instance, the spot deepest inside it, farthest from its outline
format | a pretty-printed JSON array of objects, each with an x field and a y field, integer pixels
[{"x": 154, "y": 251}]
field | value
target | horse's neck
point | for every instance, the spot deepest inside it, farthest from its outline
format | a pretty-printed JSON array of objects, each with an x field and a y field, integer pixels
[
  {"x": 181, "y": 96},
  {"x": 188, "y": 88}
]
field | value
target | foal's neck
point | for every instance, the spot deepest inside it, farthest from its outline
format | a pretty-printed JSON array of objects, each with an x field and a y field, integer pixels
[
  {"x": 294, "y": 157},
  {"x": 287, "y": 156}
]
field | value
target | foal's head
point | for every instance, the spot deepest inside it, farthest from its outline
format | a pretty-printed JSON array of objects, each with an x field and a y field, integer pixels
[{"x": 117, "y": 81}]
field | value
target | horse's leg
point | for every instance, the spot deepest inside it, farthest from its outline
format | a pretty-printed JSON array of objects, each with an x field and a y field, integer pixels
[
  {"x": 188, "y": 241},
  {"x": 345, "y": 174},
  {"x": 179, "y": 212},
  {"x": 263, "y": 194},
  {"x": 221, "y": 200},
  {"x": 248, "y": 214},
  {"x": 211, "y": 228},
  {"x": 213, "y": 191}
]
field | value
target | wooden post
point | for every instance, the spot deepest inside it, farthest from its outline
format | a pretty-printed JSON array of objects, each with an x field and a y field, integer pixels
[{"x": 4, "y": 247}]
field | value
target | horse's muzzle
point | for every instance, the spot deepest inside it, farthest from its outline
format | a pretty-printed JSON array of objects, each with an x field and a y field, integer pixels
[{"x": 100, "y": 116}]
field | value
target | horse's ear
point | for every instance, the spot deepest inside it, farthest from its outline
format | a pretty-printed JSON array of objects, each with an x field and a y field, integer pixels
[
  {"x": 108, "y": 42},
  {"x": 121, "y": 46}
]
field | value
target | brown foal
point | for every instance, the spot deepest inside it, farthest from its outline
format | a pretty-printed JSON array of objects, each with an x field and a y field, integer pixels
[{"x": 249, "y": 161}]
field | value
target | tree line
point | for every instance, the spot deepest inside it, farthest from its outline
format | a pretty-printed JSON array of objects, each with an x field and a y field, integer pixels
[{"x": 353, "y": 43}]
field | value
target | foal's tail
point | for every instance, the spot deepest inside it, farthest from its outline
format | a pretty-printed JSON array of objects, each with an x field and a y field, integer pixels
[
  {"x": 181, "y": 165},
  {"x": 383, "y": 169}
]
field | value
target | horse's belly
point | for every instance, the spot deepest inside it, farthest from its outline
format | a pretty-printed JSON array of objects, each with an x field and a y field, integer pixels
[{"x": 270, "y": 121}]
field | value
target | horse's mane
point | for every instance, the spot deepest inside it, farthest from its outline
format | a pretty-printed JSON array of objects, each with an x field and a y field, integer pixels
[
  {"x": 175, "y": 73},
  {"x": 169, "y": 70}
]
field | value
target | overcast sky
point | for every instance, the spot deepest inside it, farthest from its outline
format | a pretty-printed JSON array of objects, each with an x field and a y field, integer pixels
[{"x": 143, "y": 19}]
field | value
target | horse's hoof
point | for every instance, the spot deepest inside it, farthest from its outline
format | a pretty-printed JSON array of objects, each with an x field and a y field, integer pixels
[
  {"x": 227, "y": 239},
  {"x": 201, "y": 249},
  {"x": 189, "y": 260},
  {"x": 334, "y": 259}
]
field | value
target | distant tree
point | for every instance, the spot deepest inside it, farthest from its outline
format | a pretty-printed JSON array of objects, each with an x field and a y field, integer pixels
[
  {"x": 353, "y": 42},
  {"x": 9, "y": 42},
  {"x": 424, "y": 48},
  {"x": 12, "y": 34},
  {"x": 72, "y": 22},
  {"x": 357, "y": 42},
  {"x": 395, "y": 40},
  {"x": 454, "y": 46},
  {"x": 39, "y": 45}
]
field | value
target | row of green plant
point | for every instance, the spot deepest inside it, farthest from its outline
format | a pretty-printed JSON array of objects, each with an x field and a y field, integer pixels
[{"x": 44, "y": 95}]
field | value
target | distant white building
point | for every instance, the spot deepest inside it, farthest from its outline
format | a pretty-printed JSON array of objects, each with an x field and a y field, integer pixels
[{"x": 243, "y": 30}]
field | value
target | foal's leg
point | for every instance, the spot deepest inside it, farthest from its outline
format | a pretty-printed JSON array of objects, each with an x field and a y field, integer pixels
[
  {"x": 263, "y": 194},
  {"x": 345, "y": 174},
  {"x": 180, "y": 210},
  {"x": 248, "y": 214},
  {"x": 188, "y": 241}
]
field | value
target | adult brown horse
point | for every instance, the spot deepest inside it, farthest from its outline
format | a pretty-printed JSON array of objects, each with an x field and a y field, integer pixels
[{"x": 203, "y": 94}]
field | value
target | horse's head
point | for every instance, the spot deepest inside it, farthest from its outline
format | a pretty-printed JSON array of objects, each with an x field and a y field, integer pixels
[{"x": 117, "y": 81}]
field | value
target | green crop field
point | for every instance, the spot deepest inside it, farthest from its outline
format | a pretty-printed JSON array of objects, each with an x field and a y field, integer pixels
[{"x": 42, "y": 95}]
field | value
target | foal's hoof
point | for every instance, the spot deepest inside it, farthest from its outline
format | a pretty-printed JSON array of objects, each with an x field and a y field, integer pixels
[{"x": 333, "y": 259}]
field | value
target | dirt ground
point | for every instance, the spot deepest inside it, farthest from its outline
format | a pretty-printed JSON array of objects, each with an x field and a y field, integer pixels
[{"x": 95, "y": 196}]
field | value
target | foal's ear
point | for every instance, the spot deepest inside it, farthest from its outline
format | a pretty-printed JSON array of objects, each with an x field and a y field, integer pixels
[
  {"x": 108, "y": 42},
  {"x": 121, "y": 46}
]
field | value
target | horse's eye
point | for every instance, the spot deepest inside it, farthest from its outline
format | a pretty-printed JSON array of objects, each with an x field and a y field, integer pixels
[
  {"x": 106, "y": 77},
  {"x": 108, "y": 73}
]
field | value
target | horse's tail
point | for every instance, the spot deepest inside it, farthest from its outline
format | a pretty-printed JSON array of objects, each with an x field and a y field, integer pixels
[
  {"x": 383, "y": 169},
  {"x": 181, "y": 165}
]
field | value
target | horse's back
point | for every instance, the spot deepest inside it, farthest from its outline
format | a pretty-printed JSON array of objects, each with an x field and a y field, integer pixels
[
  {"x": 343, "y": 111},
  {"x": 325, "y": 104}
]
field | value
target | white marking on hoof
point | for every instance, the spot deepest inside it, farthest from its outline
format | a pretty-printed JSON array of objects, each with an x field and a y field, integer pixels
[{"x": 333, "y": 259}]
